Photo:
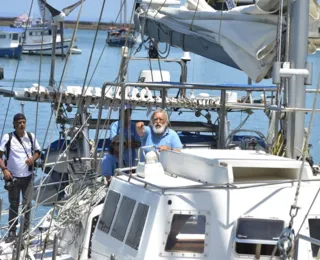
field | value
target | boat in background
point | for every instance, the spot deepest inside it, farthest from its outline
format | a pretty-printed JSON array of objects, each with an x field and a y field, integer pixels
[
  {"x": 122, "y": 34},
  {"x": 38, "y": 35},
  {"x": 10, "y": 42},
  {"x": 121, "y": 37},
  {"x": 38, "y": 40}
]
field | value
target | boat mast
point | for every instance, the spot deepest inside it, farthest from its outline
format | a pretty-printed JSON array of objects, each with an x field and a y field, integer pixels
[
  {"x": 125, "y": 13},
  {"x": 53, "y": 53},
  {"x": 123, "y": 75},
  {"x": 120, "y": 14},
  {"x": 296, "y": 91}
]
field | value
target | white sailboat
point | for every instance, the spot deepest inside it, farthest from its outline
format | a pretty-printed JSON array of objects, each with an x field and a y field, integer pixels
[
  {"x": 38, "y": 36},
  {"x": 237, "y": 201}
]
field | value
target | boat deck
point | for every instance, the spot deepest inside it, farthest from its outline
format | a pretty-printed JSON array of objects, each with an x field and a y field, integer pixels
[{"x": 212, "y": 168}]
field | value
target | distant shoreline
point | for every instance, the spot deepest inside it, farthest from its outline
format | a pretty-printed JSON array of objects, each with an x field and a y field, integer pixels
[{"x": 7, "y": 21}]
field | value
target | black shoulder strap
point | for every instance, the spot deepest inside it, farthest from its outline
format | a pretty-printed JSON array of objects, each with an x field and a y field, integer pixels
[
  {"x": 8, "y": 146},
  {"x": 31, "y": 141},
  {"x": 18, "y": 138}
]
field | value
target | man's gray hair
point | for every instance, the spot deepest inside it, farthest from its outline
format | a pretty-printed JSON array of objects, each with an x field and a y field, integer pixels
[{"x": 162, "y": 111}]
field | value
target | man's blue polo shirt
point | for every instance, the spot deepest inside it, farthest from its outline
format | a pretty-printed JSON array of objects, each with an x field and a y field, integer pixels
[
  {"x": 109, "y": 164},
  {"x": 115, "y": 130},
  {"x": 169, "y": 138}
]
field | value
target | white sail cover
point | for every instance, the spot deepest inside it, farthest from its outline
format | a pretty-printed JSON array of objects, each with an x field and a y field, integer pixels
[
  {"x": 44, "y": 12},
  {"x": 248, "y": 34}
]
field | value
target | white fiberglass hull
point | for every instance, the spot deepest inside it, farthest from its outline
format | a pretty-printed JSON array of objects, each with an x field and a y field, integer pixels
[{"x": 46, "y": 49}]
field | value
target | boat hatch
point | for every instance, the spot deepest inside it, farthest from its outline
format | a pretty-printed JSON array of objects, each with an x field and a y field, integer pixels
[
  {"x": 186, "y": 234},
  {"x": 259, "y": 173},
  {"x": 314, "y": 227},
  {"x": 257, "y": 236},
  {"x": 231, "y": 166},
  {"x": 124, "y": 217}
]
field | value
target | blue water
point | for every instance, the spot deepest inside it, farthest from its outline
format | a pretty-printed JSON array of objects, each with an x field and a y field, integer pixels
[{"x": 199, "y": 70}]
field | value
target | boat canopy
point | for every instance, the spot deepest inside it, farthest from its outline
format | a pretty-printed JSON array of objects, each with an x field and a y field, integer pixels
[{"x": 244, "y": 37}]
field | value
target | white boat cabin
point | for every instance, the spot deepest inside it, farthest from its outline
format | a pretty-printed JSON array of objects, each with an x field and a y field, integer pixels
[
  {"x": 10, "y": 37},
  {"x": 206, "y": 204}
]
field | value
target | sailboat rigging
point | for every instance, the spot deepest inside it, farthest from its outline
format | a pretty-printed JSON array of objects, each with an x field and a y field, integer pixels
[{"x": 217, "y": 197}]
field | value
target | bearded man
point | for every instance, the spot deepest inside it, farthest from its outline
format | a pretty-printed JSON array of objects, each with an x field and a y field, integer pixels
[{"x": 158, "y": 133}]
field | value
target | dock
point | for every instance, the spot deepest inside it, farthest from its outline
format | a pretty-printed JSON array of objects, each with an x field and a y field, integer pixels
[{"x": 84, "y": 25}]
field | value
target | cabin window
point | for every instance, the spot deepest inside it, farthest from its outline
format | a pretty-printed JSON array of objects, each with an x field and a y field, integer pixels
[
  {"x": 258, "y": 236},
  {"x": 123, "y": 217},
  {"x": 30, "y": 33},
  {"x": 137, "y": 226},
  {"x": 187, "y": 234},
  {"x": 109, "y": 211},
  {"x": 15, "y": 36},
  {"x": 314, "y": 227},
  {"x": 2, "y": 36}
]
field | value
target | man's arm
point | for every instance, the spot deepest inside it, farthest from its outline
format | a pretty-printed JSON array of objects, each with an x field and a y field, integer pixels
[
  {"x": 37, "y": 152},
  {"x": 6, "y": 172},
  {"x": 114, "y": 129},
  {"x": 133, "y": 144},
  {"x": 140, "y": 128},
  {"x": 175, "y": 143},
  {"x": 107, "y": 165},
  {"x": 32, "y": 159},
  {"x": 168, "y": 148}
]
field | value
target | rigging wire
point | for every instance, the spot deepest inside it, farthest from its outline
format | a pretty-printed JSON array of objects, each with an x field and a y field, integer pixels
[
  {"x": 66, "y": 62},
  {"x": 305, "y": 144},
  {"x": 64, "y": 72},
  {"x": 15, "y": 75}
]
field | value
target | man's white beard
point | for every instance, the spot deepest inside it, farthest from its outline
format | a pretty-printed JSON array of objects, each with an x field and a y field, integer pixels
[{"x": 159, "y": 130}]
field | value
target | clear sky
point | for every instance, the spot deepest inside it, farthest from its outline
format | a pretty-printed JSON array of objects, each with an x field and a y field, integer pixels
[{"x": 90, "y": 10}]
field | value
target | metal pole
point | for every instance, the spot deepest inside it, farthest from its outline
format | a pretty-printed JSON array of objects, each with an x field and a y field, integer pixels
[
  {"x": 163, "y": 96},
  {"x": 123, "y": 68},
  {"x": 55, "y": 247},
  {"x": 53, "y": 54},
  {"x": 84, "y": 144},
  {"x": 96, "y": 138},
  {"x": 184, "y": 71},
  {"x": 222, "y": 121},
  {"x": 296, "y": 91},
  {"x": 18, "y": 248},
  {"x": 1, "y": 201},
  {"x": 22, "y": 107}
]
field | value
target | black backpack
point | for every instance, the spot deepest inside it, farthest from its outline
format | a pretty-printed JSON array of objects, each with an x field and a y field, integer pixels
[{"x": 8, "y": 144}]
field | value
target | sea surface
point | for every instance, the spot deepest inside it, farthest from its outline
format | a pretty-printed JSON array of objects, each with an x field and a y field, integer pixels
[{"x": 104, "y": 67}]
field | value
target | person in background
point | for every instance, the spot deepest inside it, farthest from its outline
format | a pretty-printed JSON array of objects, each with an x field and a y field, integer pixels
[
  {"x": 111, "y": 159},
  {"x": 131, "y": 136},
  {"x": 21, "y": 150},
  {"x": 158, "y": 133}
]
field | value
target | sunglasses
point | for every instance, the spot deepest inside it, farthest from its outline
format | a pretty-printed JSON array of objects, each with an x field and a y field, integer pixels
[{"x": 117, "y": 143}]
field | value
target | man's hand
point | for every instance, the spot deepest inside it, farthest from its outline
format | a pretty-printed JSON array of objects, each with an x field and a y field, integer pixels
[
  {"x": 164, "y": 148},
  {"x": 140, "y": 128},
  {"x": 108, "y": 180},
  {"x": 7, "y": 175},
  {"x": 133, "y": 144},
  {"x": 29, "y": 161}
]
